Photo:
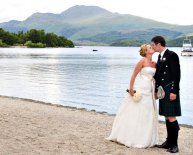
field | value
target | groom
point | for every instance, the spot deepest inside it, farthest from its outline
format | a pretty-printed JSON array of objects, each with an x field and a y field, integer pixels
[{"x": 168, "y": 76}]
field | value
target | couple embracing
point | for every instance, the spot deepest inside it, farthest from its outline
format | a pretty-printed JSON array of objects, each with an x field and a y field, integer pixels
[{"x": 136, "y": 123}]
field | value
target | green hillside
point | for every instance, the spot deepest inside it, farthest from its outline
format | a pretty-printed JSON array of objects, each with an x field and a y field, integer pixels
[{"x": 94, "y": 24}]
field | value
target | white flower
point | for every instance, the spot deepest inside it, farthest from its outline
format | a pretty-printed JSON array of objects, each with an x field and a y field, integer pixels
[
  {"x": 164, "y": 59},
  {"x": 137, "y": 96}
]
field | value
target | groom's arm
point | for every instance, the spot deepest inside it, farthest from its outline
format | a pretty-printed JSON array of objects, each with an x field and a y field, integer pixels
[{"x": 175, "y": 72}]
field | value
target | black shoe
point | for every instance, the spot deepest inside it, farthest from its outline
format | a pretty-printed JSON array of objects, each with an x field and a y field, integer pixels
[
  {"x": 173, "y": 149},
  {"x": 164, "y": 145}
]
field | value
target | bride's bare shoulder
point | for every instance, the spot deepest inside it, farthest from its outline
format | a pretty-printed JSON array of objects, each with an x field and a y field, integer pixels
[{"x": 142, "y": 60}]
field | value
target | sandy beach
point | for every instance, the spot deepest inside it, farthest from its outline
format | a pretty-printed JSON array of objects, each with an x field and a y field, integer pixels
[{"x": 29, "y": 128}]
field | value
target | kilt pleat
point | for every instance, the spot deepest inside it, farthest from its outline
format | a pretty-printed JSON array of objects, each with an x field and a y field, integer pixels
[{"x": 167, "y": 107}]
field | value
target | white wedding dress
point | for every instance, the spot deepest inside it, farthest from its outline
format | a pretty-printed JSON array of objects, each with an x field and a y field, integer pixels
[{"x": 136, "y": 123}]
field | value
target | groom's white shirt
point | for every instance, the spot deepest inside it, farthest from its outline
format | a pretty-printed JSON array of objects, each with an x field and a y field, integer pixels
[{"x": 162, "y": 53}]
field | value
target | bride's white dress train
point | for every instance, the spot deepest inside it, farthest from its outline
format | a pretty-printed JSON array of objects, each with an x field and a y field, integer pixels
[{"x": 136, "y": 124}]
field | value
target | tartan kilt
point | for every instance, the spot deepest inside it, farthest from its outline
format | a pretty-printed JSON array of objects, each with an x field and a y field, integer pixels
[{"x": 167, "y": 107}]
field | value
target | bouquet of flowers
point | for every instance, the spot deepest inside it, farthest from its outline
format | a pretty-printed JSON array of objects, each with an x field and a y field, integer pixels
[{"x": 137, "y": 95}]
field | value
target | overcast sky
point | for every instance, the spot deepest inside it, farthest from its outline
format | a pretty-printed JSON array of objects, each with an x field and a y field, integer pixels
[{"x": 169, "y": 11}]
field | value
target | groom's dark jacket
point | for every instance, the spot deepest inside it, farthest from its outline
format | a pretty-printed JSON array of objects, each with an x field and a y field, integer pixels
[{"x": 168, "y": 71}]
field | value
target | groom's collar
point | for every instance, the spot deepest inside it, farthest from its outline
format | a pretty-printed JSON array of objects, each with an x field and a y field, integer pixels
[{"x": 162, "y": 53}]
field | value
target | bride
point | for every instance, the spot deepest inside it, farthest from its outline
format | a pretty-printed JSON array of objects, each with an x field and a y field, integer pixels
[{"x": 136, "y": 123}]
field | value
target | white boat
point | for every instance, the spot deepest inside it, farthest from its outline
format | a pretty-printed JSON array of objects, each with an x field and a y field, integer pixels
[{"x": 187, "y": 48}]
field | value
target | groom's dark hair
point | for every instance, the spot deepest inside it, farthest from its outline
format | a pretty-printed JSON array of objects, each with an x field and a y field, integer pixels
[{"x": 159, "y": 39}]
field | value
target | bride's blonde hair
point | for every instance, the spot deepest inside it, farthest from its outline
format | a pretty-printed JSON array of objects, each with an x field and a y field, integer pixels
[{"x": 143, "y": 50}]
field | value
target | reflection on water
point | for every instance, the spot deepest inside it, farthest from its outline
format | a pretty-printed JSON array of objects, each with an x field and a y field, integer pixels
[{"x": 80, "y": 77}]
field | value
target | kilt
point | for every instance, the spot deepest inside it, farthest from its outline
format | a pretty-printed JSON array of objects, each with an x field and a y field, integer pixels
[{"x": 167, "y": 107}]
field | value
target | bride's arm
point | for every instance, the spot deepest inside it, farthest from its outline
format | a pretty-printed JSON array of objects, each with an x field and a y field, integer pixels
[{"x": 135, "y": 72}]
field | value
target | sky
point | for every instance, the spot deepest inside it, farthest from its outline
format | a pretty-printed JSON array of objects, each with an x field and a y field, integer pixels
[{"x": 169, "y": 11}]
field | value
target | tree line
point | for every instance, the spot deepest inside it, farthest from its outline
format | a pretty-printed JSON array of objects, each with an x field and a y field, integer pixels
[{"x": 33, "y": 38}]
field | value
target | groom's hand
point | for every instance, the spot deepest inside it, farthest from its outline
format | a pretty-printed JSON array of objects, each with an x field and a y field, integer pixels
[{"x": 172, "y": 96}]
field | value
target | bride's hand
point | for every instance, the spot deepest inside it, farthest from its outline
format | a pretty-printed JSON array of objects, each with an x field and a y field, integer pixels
[{"x": 131, "y": 91}]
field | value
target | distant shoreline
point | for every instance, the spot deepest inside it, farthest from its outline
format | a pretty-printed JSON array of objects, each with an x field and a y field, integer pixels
[
  {"x": 31, "y": 47},
  {"x": 18, "y": 47}
]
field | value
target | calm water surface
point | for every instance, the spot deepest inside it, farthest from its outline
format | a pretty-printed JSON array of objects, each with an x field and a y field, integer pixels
[{"x": 81, "y": 78}]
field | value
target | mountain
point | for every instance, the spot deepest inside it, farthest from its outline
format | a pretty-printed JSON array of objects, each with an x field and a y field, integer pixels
[
  {"x": 78, "y": 12},
  {"x": 96, "y": 25}
]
